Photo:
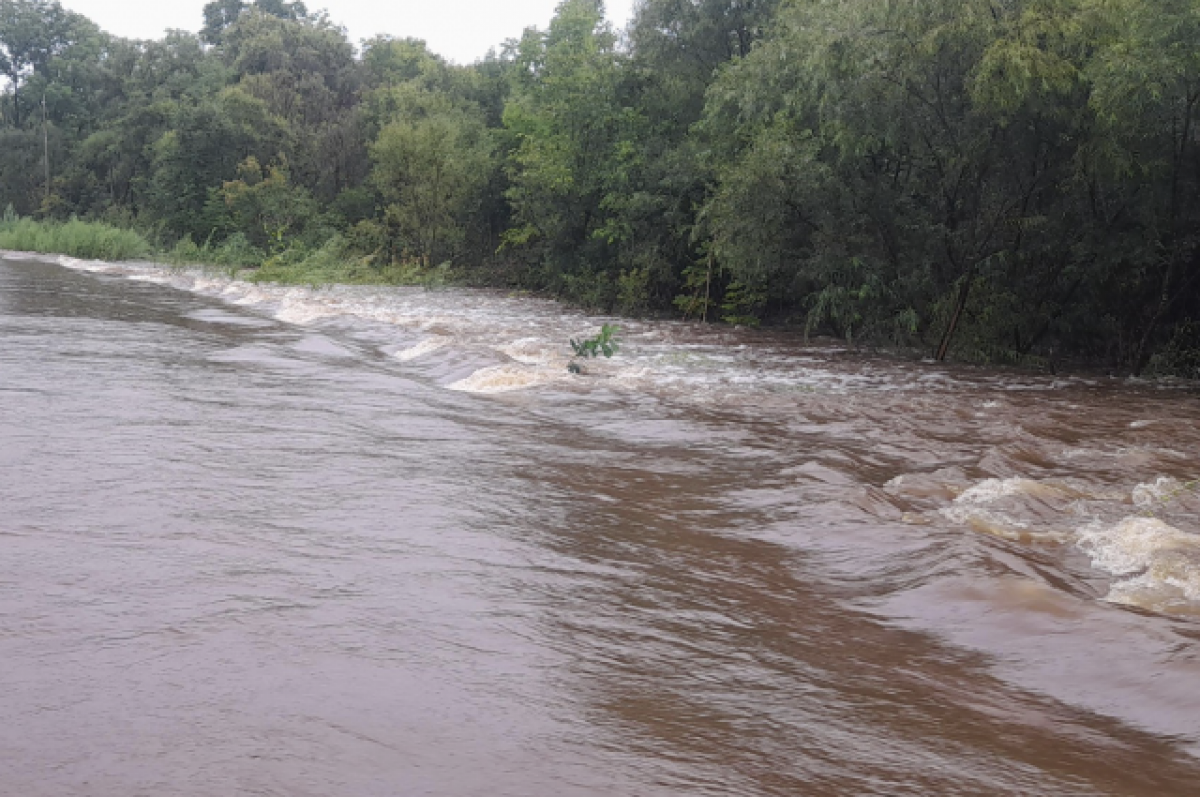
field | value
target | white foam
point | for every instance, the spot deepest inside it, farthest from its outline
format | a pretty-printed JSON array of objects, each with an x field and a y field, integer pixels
[
  {"x": 532, "y": 351},
  {"x": 245, "y": 294},
  {"x": 1151, "y": 494},
  {"x": 693, "y": 364},
  {"x": 991, "y": 522},
  {"x": 153, "y": 277},
  {"x": 989, "y": 490},
  {"x": 507, "y": 377},
  {"x": 1162, "y": 561},
  {"x": 1130, "y": 546},
  {"x": 1155, "y": 565},
  {"x": 298, "y": 309},
  {"x": 968, "y": 509},
  {"x": 972, "y": 508},
  {"x": 426, "y": 346}
]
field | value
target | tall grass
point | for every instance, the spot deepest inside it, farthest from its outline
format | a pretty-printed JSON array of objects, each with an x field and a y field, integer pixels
[
  {"x": 84, "y": 239},
  {"x": 334, "y": 262}
]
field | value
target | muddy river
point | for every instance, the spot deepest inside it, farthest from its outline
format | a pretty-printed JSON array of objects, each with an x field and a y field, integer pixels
[{"x": 378, "y": 541}]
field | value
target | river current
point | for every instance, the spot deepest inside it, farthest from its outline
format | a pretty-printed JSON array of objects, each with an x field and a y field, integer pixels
[{"x": 361, "y": 541}]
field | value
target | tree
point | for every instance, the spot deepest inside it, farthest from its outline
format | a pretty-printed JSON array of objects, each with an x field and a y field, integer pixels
[
  {"x": 265, "y": 206},
  {"x": 677, "y": 50},
  {"x": 304, "y": 71},
  {"x": 569, "y": 126},
  {"x": 220, "y": 15},
  {"x": 1145, "y": 161},
  {"x": 431, "y": 165},
  {"x": 32, "y": 32},
  {"x": 20, "y": 167},
  {"x": 907, "y": 171},
  {"x": 200, "y": 151}
]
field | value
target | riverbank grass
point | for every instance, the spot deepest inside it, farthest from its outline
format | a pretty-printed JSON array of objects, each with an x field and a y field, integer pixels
[
  {"x": 88, "y": 240},
  {"x": 332, "y": 263}
]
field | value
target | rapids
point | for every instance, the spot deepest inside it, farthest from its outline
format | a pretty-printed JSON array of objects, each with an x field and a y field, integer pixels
[{"x": 378, "y": 541}]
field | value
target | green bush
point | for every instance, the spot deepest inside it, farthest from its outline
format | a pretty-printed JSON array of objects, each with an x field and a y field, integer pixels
[
  {"x": 232, "y": 255},
  {"x": 332, "y": 262}
]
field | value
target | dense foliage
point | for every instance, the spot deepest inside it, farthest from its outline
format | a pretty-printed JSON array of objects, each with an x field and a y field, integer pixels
[{"x": 1003, "y": 180}]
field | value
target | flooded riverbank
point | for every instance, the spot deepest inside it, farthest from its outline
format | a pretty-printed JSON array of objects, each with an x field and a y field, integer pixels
[{"x": 375, "y": 541}]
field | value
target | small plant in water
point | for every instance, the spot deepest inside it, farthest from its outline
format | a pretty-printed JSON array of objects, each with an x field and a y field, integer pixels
[{"x": 605, "y": 344}]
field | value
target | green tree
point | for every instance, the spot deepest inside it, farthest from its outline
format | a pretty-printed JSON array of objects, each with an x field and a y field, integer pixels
[
  {"x": 570, "y": 130},
  {"x": 303, "y": 69},
  {"x": 220, "y": 15},
  {"x": 677, "y": 51},
  {"x": 32, "y": 33},
  {"x": 21, "y": 183},
  {"x": 895, "y": 173},
  {"x": 1144, "y": 162},
  {"x": 200, "y": 151},
  {"x": 266, "y": 207},
  {"x": 431, "y": 165}
]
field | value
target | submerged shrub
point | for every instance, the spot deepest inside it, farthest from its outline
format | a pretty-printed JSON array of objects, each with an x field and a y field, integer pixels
[
  {"x": 232, "y": 255},
  {"x": 603, "y": 344},
  {"x": 236, "y": 252},
  {"x": 332, "y": 262}
]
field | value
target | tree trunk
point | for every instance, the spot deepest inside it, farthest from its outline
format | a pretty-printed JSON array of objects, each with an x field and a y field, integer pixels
[
  {"x": 960, "y": 305},
  {"x": 1141, "y": 357},
  {"x": 707, "y": 288}
]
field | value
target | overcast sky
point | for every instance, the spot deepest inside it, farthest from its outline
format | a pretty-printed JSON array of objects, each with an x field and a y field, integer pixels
[{"x": 461, "y": 30}]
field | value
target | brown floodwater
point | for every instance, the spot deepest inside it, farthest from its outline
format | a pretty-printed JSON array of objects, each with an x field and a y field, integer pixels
[{"x": 375, "y": 541}]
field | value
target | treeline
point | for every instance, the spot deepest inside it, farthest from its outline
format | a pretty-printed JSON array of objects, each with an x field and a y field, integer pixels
[{"x": 1002, "y": 180}]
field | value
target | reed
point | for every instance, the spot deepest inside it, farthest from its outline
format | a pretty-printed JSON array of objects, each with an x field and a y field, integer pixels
[{"x": 83, "y": 239}]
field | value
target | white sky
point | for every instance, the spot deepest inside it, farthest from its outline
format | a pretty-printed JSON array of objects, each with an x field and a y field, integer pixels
[{"x": 461, "y": 30}]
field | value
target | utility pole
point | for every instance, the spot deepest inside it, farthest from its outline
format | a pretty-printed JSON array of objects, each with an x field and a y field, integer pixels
[{"x": 46, "y": 147}]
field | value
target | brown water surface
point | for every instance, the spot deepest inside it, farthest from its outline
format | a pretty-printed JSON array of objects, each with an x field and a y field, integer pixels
[{"x": 365, "y": 541}]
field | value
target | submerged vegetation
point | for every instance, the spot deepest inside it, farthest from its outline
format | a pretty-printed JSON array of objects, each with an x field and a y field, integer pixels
[
  {"x": 1006, "y": 181},
  {"x": 605, "y": 343}
]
